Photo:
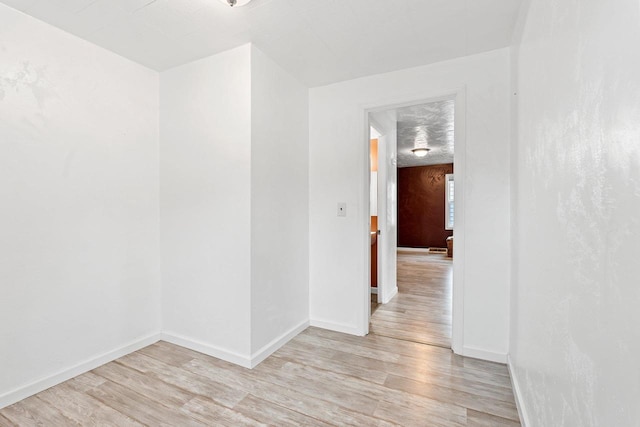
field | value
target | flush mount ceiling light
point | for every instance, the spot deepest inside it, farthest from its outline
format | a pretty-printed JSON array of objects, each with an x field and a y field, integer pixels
[
  {"x": 420, "y": 151},
  {"x": 420, "y": 148},
  {"x": 235, "y": 3}
]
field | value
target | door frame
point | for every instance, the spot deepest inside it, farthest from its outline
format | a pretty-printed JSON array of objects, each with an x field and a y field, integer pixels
[
  {"x": 387, "y": 283},
  {"x": 459, "y": 97}
]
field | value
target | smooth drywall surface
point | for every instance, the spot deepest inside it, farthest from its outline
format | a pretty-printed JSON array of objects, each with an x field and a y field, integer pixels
[
  {"x": 205, "y": 176},
  {"x": 575, "y": 337},
  {"x": 79, "y": 254},
  {"x": 338, "y": 168},
  {"x": 387, "y": 238},
  {"x": 279, "y": 202}
]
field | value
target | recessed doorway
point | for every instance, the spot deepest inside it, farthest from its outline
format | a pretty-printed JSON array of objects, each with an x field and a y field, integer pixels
[{"x": 412, "y": 221}]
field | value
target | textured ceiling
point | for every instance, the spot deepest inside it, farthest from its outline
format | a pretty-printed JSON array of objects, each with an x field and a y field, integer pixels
[
  {"x": 318, "y": 41},
  {"x": 433, "y": 122}
]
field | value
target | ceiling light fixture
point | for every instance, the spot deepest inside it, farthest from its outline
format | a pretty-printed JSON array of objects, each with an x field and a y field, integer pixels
[
  {"x": 235, "y": 3},
  {"x": 420, "y": 148},
  {"x": 420, "y": 151}
]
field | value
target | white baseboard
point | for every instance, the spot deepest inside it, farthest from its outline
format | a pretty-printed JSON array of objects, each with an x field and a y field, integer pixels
[
  {"x": 274, "y": 345},
  {"x": 478, "y": 353},
  {"x": 374, "y": 290},
  {"x": 337, "y": 327},
  {"x": 517, "y": 394},
  {"x": 11, "y": 397},
  {"x": 408, "y": 249},
  {"x": 42, "y": 384},
  {"x": 208, "y": 349},
  {"x": 232, "y": 356},
  {"x": 387, "y": 298}
]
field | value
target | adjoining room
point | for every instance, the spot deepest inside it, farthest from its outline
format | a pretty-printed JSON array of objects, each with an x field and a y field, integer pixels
[{"x": 421, "y": 311}]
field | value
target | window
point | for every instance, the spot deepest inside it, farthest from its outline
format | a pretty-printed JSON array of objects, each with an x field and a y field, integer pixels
[{"x": 449, "y": 202}]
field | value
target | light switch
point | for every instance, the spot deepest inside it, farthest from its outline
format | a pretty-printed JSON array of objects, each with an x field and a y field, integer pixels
[{"x": 342, "y": 209}]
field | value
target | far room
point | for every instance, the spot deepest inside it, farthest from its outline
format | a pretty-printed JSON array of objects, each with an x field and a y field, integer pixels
[{"x": 413, "y": 199}]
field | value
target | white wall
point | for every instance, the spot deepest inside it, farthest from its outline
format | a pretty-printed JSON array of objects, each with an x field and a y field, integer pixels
[
  {"x": 87, "y": 214},
  {"x": 234, "y": 205},
  {"x": 575, "y": 336},
  {"x": 79, "y": 258},
  {"x": 279, "y": 203},
  {"x": 205, "y": 216},
  {"x": 338, "y": 167}
]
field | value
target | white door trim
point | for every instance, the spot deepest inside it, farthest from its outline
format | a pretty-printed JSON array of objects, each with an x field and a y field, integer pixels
[{"x": 459, "y": 95}]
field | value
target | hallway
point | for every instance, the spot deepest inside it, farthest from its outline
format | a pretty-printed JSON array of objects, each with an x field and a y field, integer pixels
[
  {"x": 421, "y": 311},
  {"x": 319, "y": 378}
]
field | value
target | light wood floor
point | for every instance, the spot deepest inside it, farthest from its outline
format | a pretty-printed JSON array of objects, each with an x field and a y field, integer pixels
[
  {"x": 319, "y": 378},
  {"x": 421, "y": 311}
]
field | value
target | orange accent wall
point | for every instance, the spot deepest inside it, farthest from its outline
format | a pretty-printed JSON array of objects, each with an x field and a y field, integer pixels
[
  {"x": 374, "y": 155},
  {"x": 374, "y": 168},
  {"x": 374, "y": 219}
]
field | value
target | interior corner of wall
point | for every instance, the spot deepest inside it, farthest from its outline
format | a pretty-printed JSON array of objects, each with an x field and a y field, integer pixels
[
  {"x": 517, "y": 392},
  {"x": 267, "y": 350}
]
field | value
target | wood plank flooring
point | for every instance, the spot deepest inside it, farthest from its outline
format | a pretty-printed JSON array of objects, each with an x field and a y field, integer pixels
[
  {"x": 421, "y": 311},
  {"x": 320, "y": 378}
]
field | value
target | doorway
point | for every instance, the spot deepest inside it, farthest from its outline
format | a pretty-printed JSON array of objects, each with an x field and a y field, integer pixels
[{"x": 414, "y": 226}]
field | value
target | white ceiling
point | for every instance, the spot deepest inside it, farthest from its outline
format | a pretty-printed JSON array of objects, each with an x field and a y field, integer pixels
[
  {"x": 435, "y": 123},
  {"x": 319, "y": 41}
]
